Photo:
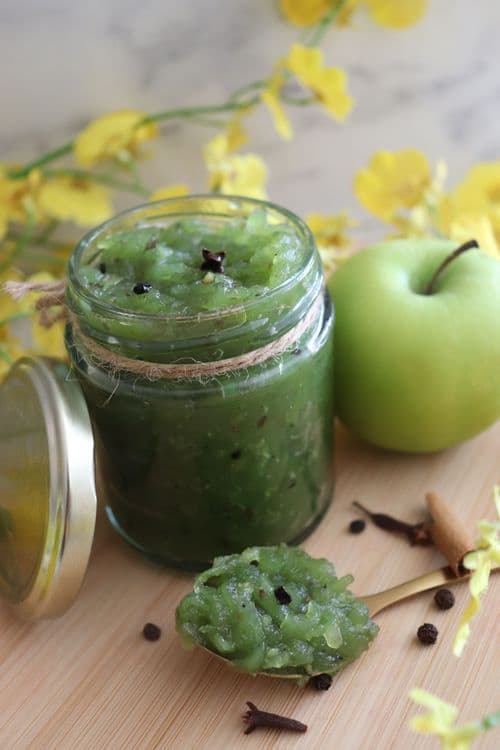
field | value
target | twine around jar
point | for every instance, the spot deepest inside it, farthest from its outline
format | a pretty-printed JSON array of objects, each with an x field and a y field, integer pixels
[{"x": 53, "y": 294}]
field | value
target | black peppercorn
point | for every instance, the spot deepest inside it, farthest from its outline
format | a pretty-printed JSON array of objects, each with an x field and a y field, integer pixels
[
  {"x": 282, "y": 595},
  {"x": 141, "y": 287},
  {"x": 444, "y": 599},
  {"x": 357, "y": 526},
  {"x": 151, "y": 632},
  {"x": 427, "y": 633},
  {"x": 321, "y": 681}
]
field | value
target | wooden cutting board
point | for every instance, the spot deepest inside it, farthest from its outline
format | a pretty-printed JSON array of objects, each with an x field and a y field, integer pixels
[{"x": 89, "y": 681}]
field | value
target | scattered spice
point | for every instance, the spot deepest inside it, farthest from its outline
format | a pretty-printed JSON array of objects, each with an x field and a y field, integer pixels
[
  {"x": 141, "y": 287},
  {"x": 282, "y": 595},
  {"x": 417, "y": 533},
  {"x": 151, "y": 632},
  {"x": 256, "y": 718},
  {"x": 444, "y": 598},
  {"x": 427, "y": 633},
  {"x": 321, "y": 681},
  {"x": 450, "y": 535},
  {"x": 357, "y": 526},
  {"x": 212, "y": 261},
  {"x": 102, "y": 267}
]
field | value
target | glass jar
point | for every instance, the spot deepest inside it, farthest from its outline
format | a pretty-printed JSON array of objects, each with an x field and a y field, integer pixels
[{"x": 199, "y": 466}]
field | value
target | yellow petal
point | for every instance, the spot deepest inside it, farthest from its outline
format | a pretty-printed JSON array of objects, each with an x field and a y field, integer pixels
[
  {"x": 305, "y": 63},
  {"x": 487, "y": 551},
  {"x": 396, "y": 14},
  {"x": 480, "y": 228},
  {"x": 281, "y": 121},
  {"x": 233, "y": 137},
  {"x": 327, "y": 84},
  {"x": 49, "y": 341},
  {"x": 172, "y": 191},
  {"x": 109, "y": 135},
  {"x": 304, "y": 12},
  {"x": 240, "y": 175},
  {"x": 393, "y": 181},
  {"x": 74, "y": 199}
]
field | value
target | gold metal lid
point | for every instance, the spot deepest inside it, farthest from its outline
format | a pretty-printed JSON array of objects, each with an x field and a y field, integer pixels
[{"x": 47, "y": 487}]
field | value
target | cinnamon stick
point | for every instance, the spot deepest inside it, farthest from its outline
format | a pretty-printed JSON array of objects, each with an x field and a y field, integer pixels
[{"x": 449, "y": 533}]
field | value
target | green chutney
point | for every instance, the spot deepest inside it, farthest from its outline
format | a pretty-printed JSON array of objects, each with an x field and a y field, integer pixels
[
  {"x": 194, "y": 467},
  {"x": 277, "y": 610}
]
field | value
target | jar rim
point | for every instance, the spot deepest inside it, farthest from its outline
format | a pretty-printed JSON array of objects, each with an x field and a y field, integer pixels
[{"x": 189, "y": 203}]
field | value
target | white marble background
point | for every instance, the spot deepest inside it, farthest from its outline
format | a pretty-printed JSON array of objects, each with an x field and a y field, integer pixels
[{"x": 435, "y": 86}]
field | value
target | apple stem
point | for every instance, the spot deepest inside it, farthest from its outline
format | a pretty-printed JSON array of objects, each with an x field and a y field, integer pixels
[{"x": 446, "y": 262}]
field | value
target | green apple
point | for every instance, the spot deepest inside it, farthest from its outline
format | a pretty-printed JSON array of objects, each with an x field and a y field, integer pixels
[{"x": 417, "y": 371}]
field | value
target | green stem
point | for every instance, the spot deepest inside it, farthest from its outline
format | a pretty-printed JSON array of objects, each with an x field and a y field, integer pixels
[
  {"x": 5, "y": 356},
  {"x": 16, "y": 316},
  {"x": 248, "y": 88},
  {"x": 105, "y": 179},
  {"x": 22, "y": 241},
  {"x": 47, "y": 233},
  {"x": 319, "y": 31},
  {"x": 57, "y": 153},
  {"x": 302, "y": 101},
  {"x": 186, "y": 112},
  {"x": 491, "y": 721}
]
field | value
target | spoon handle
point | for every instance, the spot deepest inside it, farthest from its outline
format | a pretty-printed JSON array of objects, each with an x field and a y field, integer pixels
[{"x": 377, "y": 602}]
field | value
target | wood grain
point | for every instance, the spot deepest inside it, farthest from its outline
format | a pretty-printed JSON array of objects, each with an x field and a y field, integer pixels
[{"x": 89, "y": 681}]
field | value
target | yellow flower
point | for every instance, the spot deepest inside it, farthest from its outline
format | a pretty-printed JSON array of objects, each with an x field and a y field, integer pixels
[
  {"x": 327, "y": 84},
  {"x": 17, "y": 198},
  {"x": 10, "y": 346},
  {"x": 441, "y": 718},
  {"x": 304, "y": 12},
  {"x": 396, "y": 14},
  {"x": 333, "y": 243},
  {"x": 393, "y": 181},
  {"x": 239, "y": 175},
  {"x": 72, "y": 198},
  {"x": 271, "y": 98},
  {"x": 234, "y": 174},
  {"x": 115, "y": 135},
  {"x": 48, "y": 342},
  {"x": 470, "y": 226},
  {"x": 487, "y": 551},
  {"x": 231, "y": 139},
  {"x": 477, "y": 195},
  {"x": 172, "y": 191}
]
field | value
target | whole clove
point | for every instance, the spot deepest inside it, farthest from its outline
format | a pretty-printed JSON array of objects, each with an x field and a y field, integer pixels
[
  {"x": 417, "y": 533},
  {"x": 256, "y": 718},
  {"x": 282, "y": 595},
  {"x": 212, "y": 261}
]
